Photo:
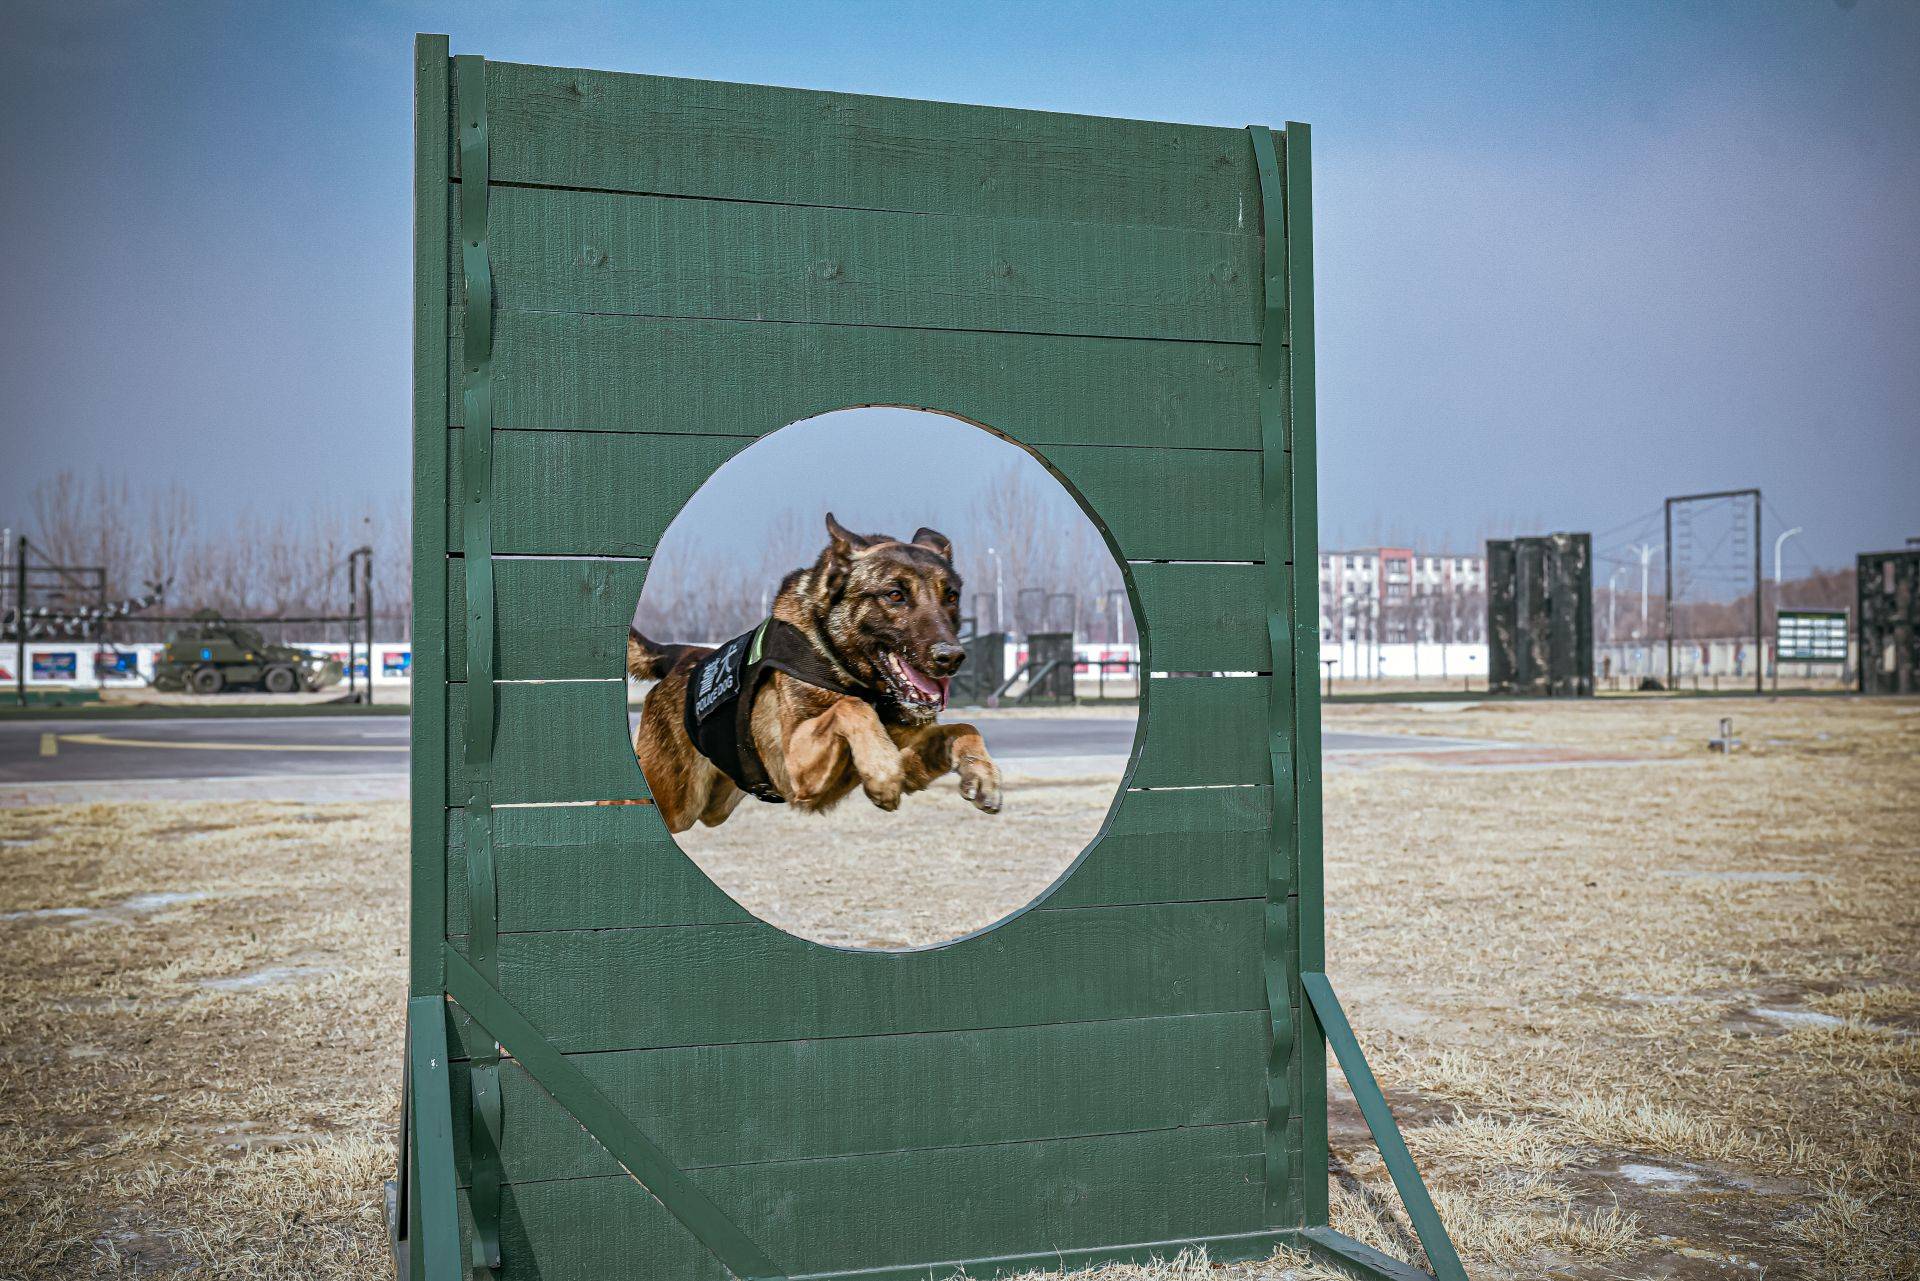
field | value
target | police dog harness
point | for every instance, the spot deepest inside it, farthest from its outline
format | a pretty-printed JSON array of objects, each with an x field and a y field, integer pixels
[{"x": 721, "y": 690}]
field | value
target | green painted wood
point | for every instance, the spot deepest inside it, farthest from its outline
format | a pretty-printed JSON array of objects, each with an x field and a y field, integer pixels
[
  {"x": 868, "y": 1095},
  {"x": 1203, "y": 731},
  {"x": 567, "y": 619},
  {"x": 563, "y": 741},
  {"x": 1203, "y": 618},
  {"x": 588, "y": 867},
  {"x": 580, "y": 493},
  {"x": 1355, "y": 1259},
  {"x": 639, "y": 1157},
  {"x": 717, "y": 984},
  {"x": 427, "y": 805},
  {"x": 1283, "y": 1045},
  {"x": 609, "y": 867},
  {"x": 687, "y": 377},
  {"x": 561, "y": 127},
  {"x": 1311, "y": 937},
  {"x": 932, "y": 1208},
  {"x": 475, "y": 502},
  {"x": 430, "y": 1112},
  {"x": 560, "y": 741},
  {"x": 611, "y": 254},
  {"x": 1386, "y": 1134},
  {"x": 588, "y": 493},
  {"x": 1181, "y": 846},
  {"x": 553, "y": 619}
]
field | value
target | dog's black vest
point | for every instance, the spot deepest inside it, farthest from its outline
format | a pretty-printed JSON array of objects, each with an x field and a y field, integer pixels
[{"x": 721, "y": 689}]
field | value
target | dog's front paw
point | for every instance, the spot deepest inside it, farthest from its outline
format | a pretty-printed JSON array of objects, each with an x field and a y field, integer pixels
[
  {"x": 980, "y": 784},
  {"x": 885, "y": 790}
]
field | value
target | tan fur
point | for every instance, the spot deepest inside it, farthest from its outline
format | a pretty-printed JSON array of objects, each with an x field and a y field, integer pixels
[{"x": 818, "y": 746}]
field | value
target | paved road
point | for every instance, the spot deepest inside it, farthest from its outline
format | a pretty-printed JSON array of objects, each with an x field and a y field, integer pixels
[{"x": 44, "y": 760}]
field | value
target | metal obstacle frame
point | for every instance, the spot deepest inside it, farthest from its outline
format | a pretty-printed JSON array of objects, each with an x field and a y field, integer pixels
[{"x": 611, "y": 1064}]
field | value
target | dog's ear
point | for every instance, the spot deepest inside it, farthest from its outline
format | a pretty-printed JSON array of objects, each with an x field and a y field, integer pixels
[
  {"x": 934, "y": 541},
  {"x": 843, "y": 542}
]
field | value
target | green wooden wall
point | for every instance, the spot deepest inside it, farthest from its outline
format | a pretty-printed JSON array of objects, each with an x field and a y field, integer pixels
[{"x": 679, "y": 268}]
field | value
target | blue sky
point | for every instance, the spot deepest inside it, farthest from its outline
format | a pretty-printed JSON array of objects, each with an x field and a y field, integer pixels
[{"x": 1571, "y": 258}]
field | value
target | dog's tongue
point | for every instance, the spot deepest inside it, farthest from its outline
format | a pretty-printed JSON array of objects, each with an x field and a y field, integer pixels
[{"x": 931, "y": 688}]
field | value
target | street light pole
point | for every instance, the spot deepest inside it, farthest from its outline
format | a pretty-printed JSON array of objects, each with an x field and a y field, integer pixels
[
  {"x": 1646, "y": 551},
  {"x": 1778, "y": 543}
]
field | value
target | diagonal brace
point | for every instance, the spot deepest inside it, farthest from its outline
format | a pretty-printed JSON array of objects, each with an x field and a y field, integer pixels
[
  {"x": 609, "y": 1126},
  {"x": 1386, "y": 1134}
]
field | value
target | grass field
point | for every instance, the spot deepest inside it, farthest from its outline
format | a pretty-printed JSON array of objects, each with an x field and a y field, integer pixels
[{"x": 1643, "y": 1010}]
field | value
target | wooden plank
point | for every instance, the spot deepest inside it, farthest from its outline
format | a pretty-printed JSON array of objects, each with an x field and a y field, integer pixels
[
  {"x": 613, "y": 494},
  {"x": 718, "y": 984},
  {"x": 568, "y": 619},
  {"x": 427, "y": 770},
  {"x": 1203, "y": 731},
  {"x": 553, "y": 619},
  {"x": 587, "y": 867},
  {"x": 865, "y": 1095},
  {"x": 931, "y": 1208},
  {"x": 561, "y": 741},
  {"x": 1203, "y": 618},
  {"x": 589, "y": 493},
  {"x": 560, "y": 127},
  {"x": 566, "y": 741},
  {"x": 630, "y": 373},
  {"x": 611, "y": 254},
  {"x": 609, "y": 867},
  {"x": 1188, "y": 845}
]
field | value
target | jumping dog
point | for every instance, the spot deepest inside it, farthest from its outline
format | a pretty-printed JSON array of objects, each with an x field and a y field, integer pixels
[{"x": 840, "y": 687}]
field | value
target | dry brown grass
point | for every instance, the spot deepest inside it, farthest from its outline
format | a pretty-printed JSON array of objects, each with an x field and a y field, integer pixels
[{"x": 1701, "y": 966}]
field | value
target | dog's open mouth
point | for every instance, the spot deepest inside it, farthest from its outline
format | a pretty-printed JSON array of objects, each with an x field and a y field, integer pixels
[{"x": 912, "y": 687}]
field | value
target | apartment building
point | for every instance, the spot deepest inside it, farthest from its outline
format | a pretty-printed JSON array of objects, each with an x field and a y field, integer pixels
[{"x": 1397, "y": 594}]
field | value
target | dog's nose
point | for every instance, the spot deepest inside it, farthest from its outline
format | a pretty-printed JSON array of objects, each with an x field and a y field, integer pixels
[{"x": 946, "y": 657}]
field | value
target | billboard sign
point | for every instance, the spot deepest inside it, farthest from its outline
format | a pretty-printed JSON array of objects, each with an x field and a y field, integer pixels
[{"x": 1811, "y": 636}]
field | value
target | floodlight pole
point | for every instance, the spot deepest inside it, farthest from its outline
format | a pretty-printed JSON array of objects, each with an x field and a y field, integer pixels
[
  {"x": 1666, "y": 588},
  {"x": 1778, "y": 543},
  {"x": 20, "y": 623}
]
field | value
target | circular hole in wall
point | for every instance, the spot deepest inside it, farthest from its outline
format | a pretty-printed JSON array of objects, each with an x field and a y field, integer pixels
[{"x": 958, "y": 584}]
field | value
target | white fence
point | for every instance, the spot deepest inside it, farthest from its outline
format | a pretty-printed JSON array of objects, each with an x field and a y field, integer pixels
[{"x": 85, "y": 665}]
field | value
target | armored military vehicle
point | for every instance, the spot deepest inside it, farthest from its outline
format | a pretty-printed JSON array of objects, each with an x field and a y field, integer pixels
[{"x": 210, "y": 654}]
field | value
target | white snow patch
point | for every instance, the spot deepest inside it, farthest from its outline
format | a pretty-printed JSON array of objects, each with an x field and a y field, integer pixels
[
  {"x": 1657, "y": 1176},
  {"x": 272, "y": 976}
]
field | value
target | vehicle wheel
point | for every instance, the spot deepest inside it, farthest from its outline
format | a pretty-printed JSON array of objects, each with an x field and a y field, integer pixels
[
  {"x": 280, "y": 680},
  {"x": 206, "y": 680}
]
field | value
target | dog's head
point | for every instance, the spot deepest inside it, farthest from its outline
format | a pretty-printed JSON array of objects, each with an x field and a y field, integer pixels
[{"x": 891, "y": 609}]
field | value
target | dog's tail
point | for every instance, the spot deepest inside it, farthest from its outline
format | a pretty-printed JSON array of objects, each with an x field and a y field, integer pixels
[{"x": 647, "y": 661}]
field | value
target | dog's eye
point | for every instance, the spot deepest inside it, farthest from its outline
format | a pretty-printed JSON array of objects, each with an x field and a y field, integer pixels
[
  {"x": 953, "y": 597},
  {"x": 895, "y": 596}
]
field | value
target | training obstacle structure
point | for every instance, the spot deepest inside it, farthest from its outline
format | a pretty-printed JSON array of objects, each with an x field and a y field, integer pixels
[
  {"x": 1540, "y": 615},
  {"x": 615, "y": 1070},
  {"x": 1889, "y": 609}
]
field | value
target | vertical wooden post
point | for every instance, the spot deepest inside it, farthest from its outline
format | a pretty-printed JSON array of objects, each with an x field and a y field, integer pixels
[{"x": 1311, "y": 934}]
